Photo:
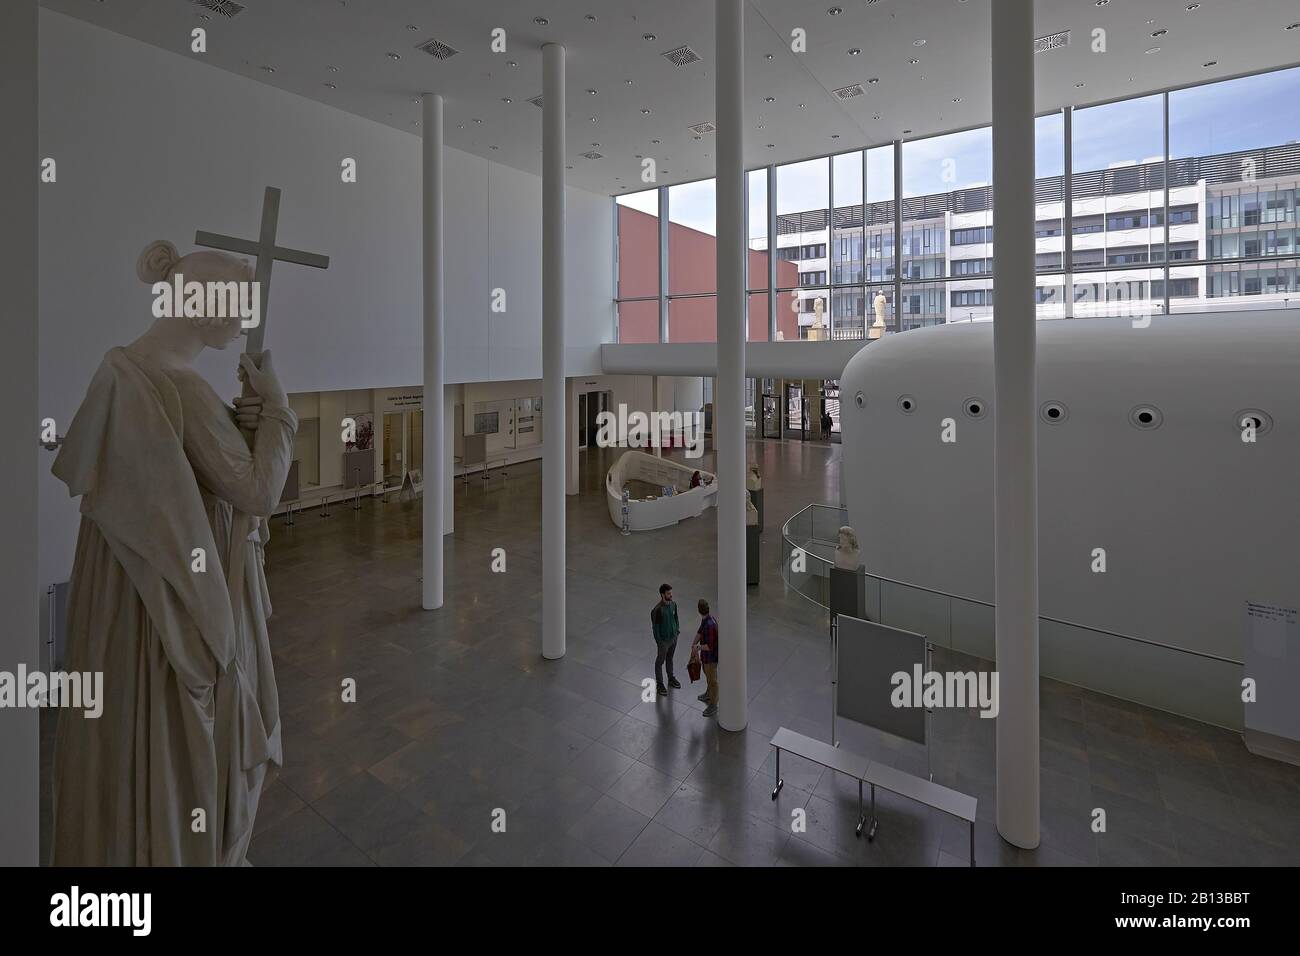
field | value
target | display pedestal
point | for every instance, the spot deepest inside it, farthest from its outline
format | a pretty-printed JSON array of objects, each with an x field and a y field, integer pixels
[
  {"x": 751, "y": 554},
  {"x": 845, "y": 597},
  {"x": 757, "y": 498}
]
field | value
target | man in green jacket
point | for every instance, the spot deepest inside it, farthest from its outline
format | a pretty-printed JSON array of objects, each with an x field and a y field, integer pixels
[{"x": 663, "y": 624}]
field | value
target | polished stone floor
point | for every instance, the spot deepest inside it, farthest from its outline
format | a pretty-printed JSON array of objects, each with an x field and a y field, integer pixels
[{"x": 459, "y": 720}]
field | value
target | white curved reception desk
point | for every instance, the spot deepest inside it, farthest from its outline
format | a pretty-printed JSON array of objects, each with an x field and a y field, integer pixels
[{"x": 660, "y": 512}]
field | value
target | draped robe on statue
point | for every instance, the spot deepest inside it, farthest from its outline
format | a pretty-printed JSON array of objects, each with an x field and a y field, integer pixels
[{"x": 191, "y": 714}]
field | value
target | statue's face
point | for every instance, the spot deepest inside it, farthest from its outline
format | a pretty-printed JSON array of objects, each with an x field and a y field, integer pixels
[{"x": 212, "y": 266}]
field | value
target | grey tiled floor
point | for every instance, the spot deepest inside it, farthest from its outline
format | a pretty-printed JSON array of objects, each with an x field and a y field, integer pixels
[{"x": 459, "y": 716}]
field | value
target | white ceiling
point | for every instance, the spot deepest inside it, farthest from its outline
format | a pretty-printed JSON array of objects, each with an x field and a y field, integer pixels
[{"x": 301, "y": 39}]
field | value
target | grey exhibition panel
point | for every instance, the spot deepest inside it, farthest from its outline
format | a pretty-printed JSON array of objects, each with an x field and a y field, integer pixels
[{"x": 868, "y": 655}]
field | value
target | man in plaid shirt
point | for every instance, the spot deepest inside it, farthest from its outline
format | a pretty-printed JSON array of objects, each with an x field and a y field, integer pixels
[{"x": 706, "y": 643}]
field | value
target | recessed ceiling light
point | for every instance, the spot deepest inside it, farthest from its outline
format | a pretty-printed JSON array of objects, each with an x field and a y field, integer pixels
[
  {"x": 330, "y": 86},
  {"x": 645, "y": 111},
  {"x": 834, "y": 11},
  {"x": 913, "y": 61},
  {"x": 1210, "y": 63},
  {"x": 394, "y": 56},
  {"x": 511, "y": 63},
  {"x": 874, "y": 80},
  {"x": 269, "y": 69},
  {"x": 1158, "y": 33},
  {"x": 956, "y": 99},
  {"x": 628, "y": 82},
  {"x": 541, "y": 21},
  {"x": 918, "y": 43},
  {"x": 332, "y": 69},
  {"x": 596, "y": 145},
  {"x": 478, "y": 121},
  {"x": 1154, "y": 49},
  {"x": 835, "y": 135},
  {"x": 204, "y": 16},
  {"x": 769, "y": 99},
  {"x": 412, "y": 26},
  {"x": 592, "y": 118},
  {"x": 855, "y": 52},
  {"x": 875, "y": 116},
  {"x": 648, "y": 36},
  {"x": 698, "y": 137},
  {"x": 802, "y": 106},
  {"x": 759, "y": 126},
  {"x": 591, "y": 92},
  {"x": 769, "y": 56},
  {"x": 1193, "y": 6},
  {"x": 460, "y": 125},
  {"x": 1102, "y": 3},
  {"x": 771, "y": 145},
  {"x": 506, "y": 99},
  {"x": 493, "y": 147},
  {"x": 654, "y": 142},
  {"x": 590, "y": 18}
]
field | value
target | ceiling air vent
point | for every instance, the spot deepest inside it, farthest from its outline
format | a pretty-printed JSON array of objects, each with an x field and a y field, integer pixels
[
  {"x": 226, "y": 8},
  {"x": 1053, "y": 42},
  {"x": 437, "y": 49},
  {"x": 702, "y": 128},
  {"x": 537, "y": 101},
  {"x": 682, "y": 56},
  {"x": 593, "y": 155},
  {"x": 848, "y": 92}
]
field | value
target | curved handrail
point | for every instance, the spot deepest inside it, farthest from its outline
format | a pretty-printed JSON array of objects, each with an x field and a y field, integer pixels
[{"x": 843, "y": 513}]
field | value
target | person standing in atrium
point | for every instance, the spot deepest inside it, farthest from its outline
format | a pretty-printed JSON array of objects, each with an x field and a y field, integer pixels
[
  {"x": 706, "y": 645},
  {"x": 664, "y": 626}
]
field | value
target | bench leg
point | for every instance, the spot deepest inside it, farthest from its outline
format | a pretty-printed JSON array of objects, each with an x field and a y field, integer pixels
[
  {"x": 871, "y": 831},
  {"x": 779, "y": 782},
  {"x": 861, "y": 819},
  {"x": 972, "y": 843}
]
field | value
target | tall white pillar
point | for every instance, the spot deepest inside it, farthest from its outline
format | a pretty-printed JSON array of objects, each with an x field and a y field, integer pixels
[
  {"x": 729, "y": 391},
  {"x": 553, "y": 385},
  {"x": 1015, "y": 423},
  {"x": 431, "y": 261},
  {"x": 19, "y": 582}
]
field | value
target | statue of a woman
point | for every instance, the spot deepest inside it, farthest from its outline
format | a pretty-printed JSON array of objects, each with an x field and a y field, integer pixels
[
  {"x": 847, "y": 555},
  {"x": 168, "y": 595}
]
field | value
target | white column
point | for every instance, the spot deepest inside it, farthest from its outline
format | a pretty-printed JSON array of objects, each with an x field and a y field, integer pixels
[
  {"x": 19, "y": 584},
  {"x": 571, "y": 436},
  {"x": 1015, "y": 423},
  {"x": 729, "y": 392},
  {"x": 435, "y": 454},
  {"x": 553, "y": 386}
]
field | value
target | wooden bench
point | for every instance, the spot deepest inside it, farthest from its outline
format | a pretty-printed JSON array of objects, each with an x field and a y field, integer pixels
[
  {"x": 822, "y": 753},
  {"x": 875, "y": 774}
]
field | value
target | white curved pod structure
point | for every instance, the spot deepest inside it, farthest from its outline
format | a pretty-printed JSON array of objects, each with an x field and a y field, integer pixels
[
  {"x": 1141, "y": 462},
  {"x": 685, "y": 502}
]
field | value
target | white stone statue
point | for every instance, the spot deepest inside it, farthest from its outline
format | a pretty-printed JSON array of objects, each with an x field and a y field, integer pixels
[
  {"x": 751, "y": 513},
  {"x": 163, "y": 601},
  {"x": 753, "y": 480},
  {"x": 847, "y": 555},
  {"x": 881, "y": 304}
]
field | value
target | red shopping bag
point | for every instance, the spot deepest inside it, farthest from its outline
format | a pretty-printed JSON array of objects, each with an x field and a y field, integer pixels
[{"x": 693, "y": 666}]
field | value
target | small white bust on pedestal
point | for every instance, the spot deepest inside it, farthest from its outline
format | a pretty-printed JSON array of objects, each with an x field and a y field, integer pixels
[
  {"x": 753, "y": 480},
  {"x": 847, "y": 555},
  {"x": 751, "y": 513}
]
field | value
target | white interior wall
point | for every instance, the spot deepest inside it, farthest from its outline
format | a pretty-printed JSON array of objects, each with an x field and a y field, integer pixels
[{"x": 152, "y": 144}]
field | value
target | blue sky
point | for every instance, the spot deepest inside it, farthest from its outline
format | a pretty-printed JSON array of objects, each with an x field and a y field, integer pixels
[{"x": 1221, "y": 117}]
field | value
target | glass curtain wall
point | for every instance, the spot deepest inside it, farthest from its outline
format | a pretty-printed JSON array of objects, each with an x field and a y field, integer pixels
[{"x": 1223, "y": 235}]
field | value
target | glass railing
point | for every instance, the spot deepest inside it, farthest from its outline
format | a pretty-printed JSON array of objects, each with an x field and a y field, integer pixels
[{"x": 1175, "y": 679}]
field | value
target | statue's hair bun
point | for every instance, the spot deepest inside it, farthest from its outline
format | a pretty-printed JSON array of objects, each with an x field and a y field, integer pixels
[{"x": 157, "y": 261}]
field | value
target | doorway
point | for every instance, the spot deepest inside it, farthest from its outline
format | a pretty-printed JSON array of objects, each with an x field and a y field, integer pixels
[{"x": 590, "y": 405}]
